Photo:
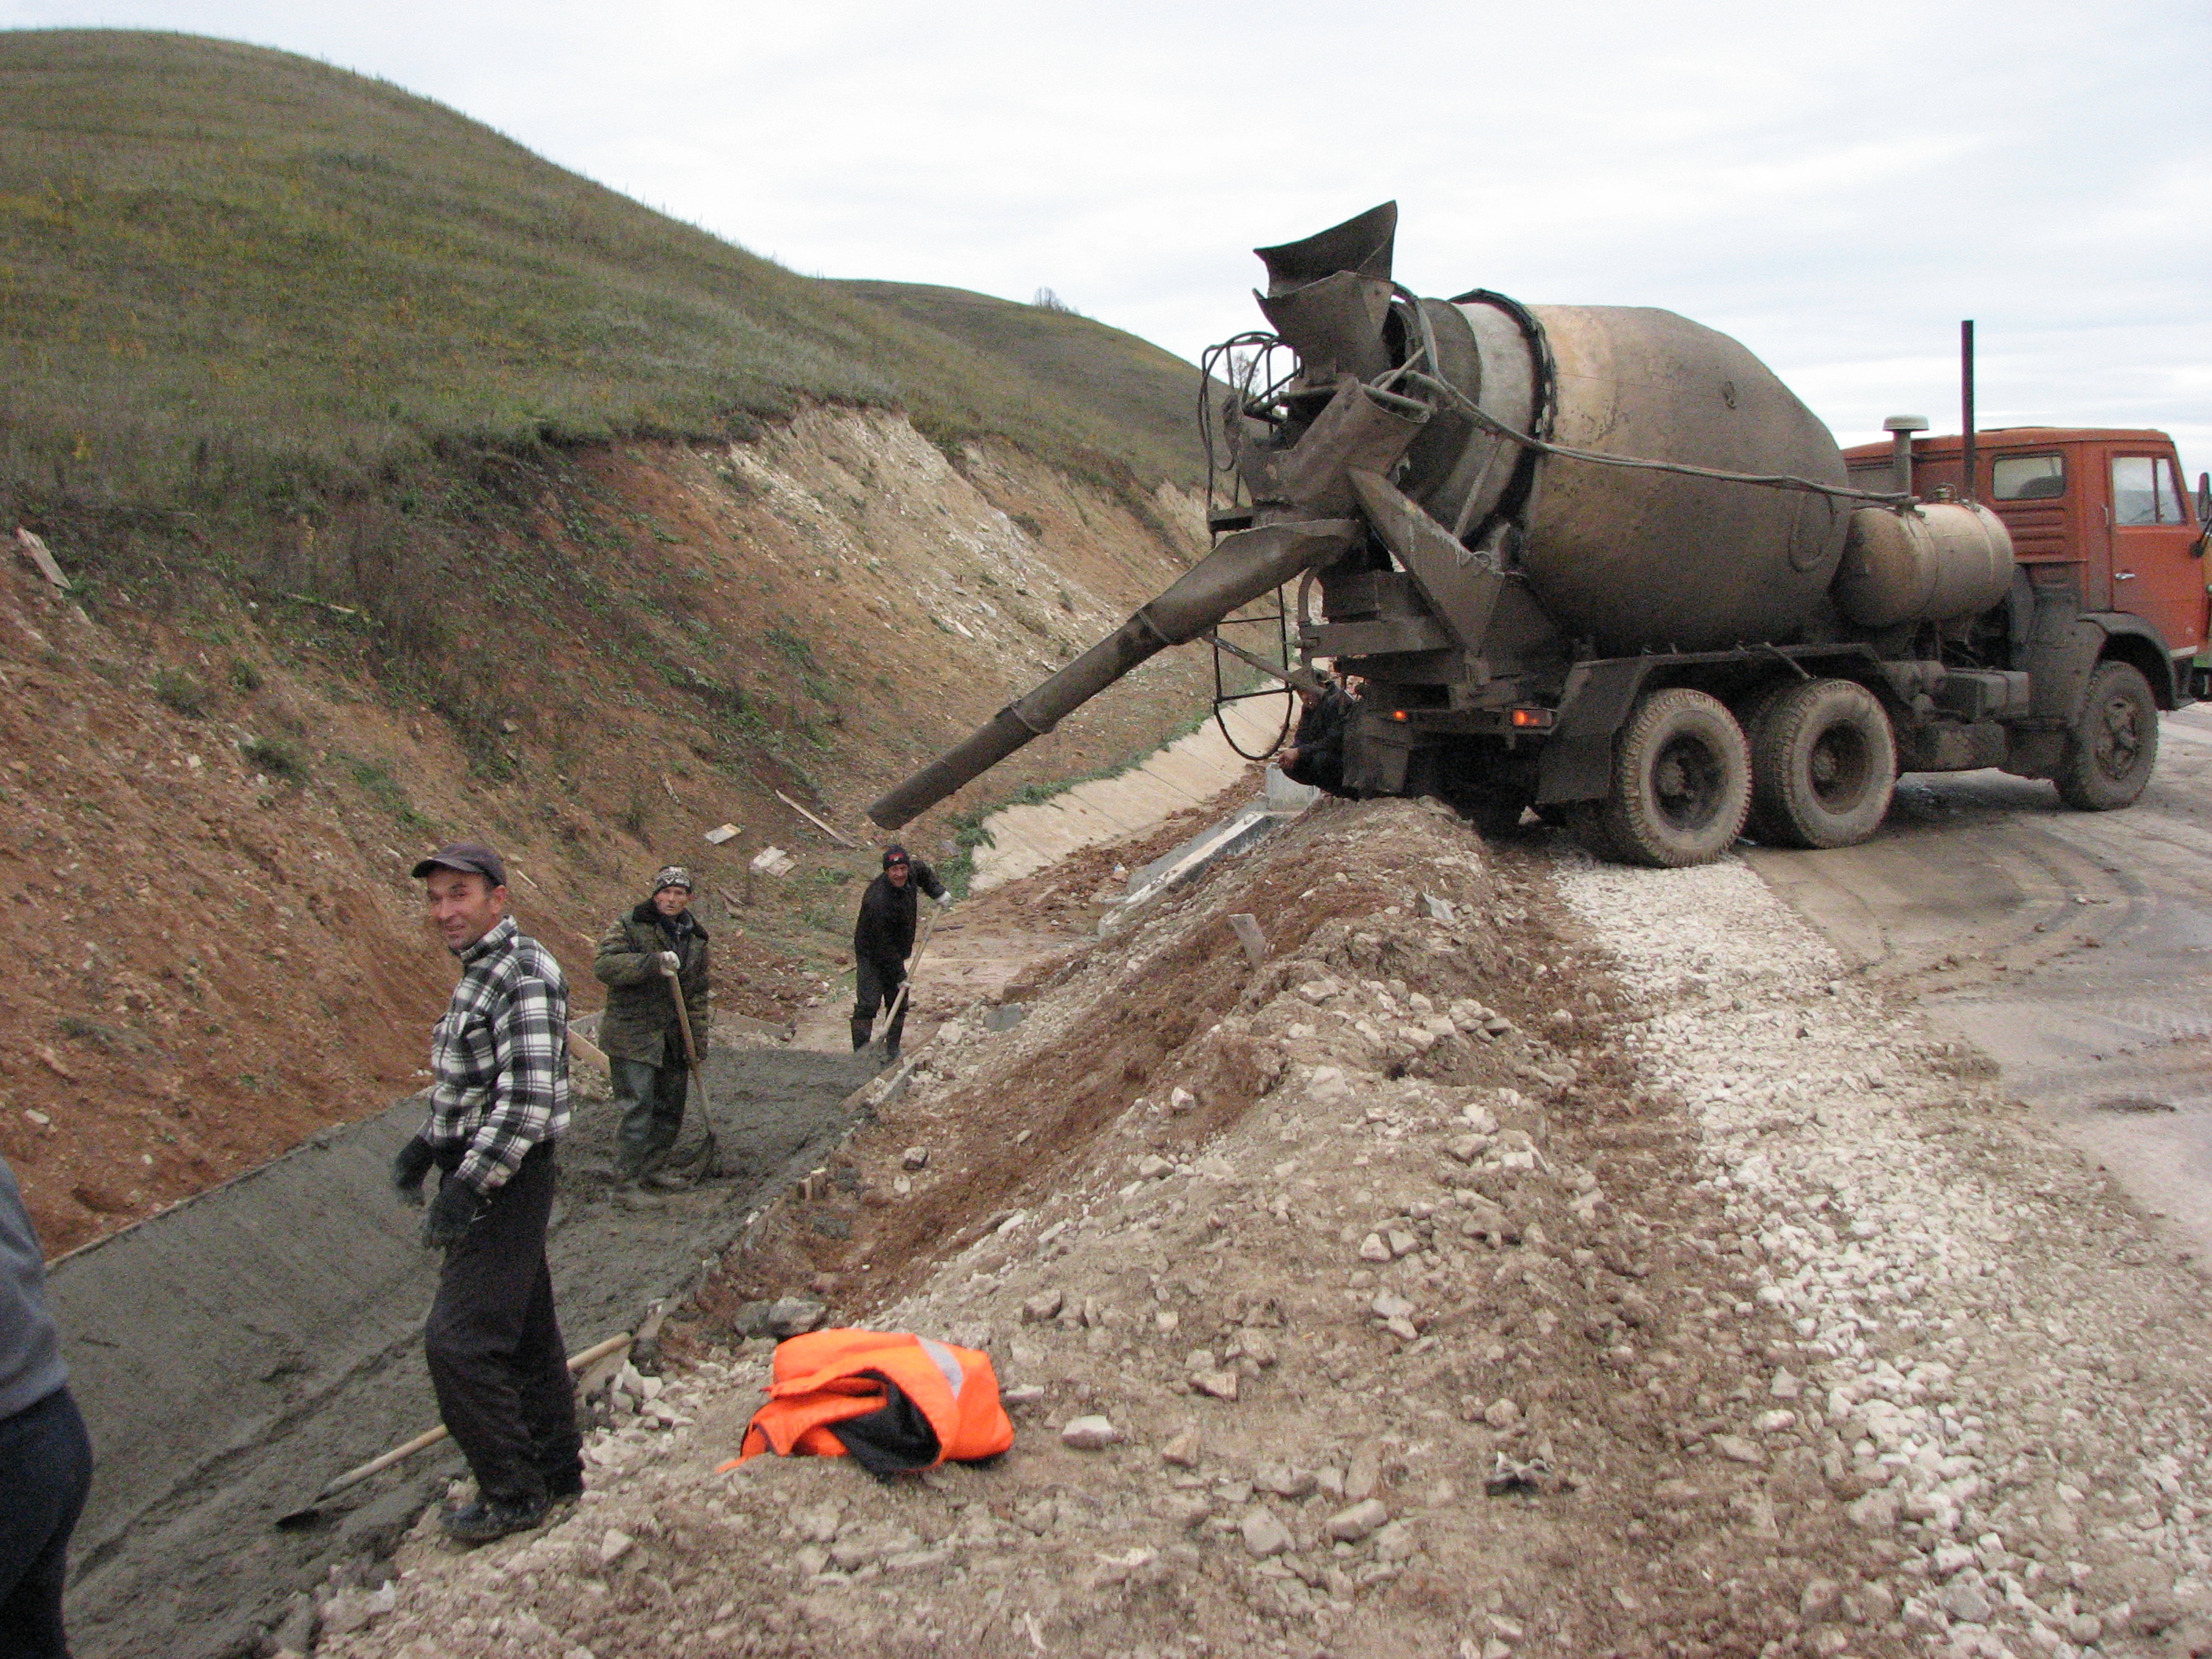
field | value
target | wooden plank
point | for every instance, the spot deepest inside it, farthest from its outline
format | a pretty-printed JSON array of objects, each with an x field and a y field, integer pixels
[
  {"x": 1250, "y": 936},
  {"x": 34, "y": 549},
  {"x": 837, "y": 835}
]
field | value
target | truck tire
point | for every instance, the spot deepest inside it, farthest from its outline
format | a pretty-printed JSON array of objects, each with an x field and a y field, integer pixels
[
  {"x": 1750, "y": 713},
  {"x": 1682, "y": 781},
  {"x": 1823, "y": 765},
  {"x": 2114, "y": 744}
]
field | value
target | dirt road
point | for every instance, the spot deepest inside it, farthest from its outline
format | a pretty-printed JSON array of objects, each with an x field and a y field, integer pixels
[
  {"x": 233, "y": 1354},
  {"x": 2074, "y": 948}
]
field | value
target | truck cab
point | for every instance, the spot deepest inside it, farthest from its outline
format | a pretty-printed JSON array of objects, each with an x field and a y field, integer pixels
[{"x": 2101, "y": 525}]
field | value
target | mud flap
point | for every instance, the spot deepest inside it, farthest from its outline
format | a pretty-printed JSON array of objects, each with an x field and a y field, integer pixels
[
  {"x": 1378, "y": 757},
  {"x": 1578, "y": 760}
]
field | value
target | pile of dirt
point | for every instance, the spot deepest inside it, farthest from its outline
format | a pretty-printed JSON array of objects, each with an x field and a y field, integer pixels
[
  {"x": 208, "y": 946},
  {"x": 1413, "y": 1326}
]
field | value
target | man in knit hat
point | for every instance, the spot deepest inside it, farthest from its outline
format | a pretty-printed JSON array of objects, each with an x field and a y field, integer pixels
[
  {"x": 641, "y": 1034},
  {"x": 883, "y": 939}
]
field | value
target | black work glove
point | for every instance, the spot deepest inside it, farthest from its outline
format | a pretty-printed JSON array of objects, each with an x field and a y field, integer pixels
[
  {"x": 408, "y": 1169},
  {"x": 457, "y": 1205}
]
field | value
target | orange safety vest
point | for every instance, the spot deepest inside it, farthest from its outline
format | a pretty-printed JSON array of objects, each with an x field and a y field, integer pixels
[{"x": 891, "y": 1399}]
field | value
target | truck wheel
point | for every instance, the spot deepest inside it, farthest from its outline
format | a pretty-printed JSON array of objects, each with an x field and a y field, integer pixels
[
  {"x": 2110, "y": 749},
  {"x": 1682, "y": 781},
  {"x": 1823, "y": 765}
]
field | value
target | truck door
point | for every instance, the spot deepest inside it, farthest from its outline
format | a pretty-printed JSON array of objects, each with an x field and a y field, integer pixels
[{"x": 2154, "y": 532}]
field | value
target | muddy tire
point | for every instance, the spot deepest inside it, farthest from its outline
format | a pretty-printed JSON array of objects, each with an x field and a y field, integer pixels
[
  {"x": 1682, "y": 781},
  {"x": 1749, "y": 712},
  {"x": 2111, "y": 748},
  {"x": 1823, "y": 765}
]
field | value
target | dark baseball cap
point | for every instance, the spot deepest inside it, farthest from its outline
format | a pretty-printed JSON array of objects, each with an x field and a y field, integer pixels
[
  {"x": 472, "y": 857},
  {"x": 895, "y": 854}
]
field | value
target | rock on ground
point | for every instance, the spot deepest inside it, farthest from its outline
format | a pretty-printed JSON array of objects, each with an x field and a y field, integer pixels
[{"x": 1597, "y": 1273}]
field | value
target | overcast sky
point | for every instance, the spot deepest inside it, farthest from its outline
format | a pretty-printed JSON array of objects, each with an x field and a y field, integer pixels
[{"x": 1836, "y": 186}]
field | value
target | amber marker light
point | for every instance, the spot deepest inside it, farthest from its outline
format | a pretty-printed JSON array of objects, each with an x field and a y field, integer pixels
[{"x": 1532, "y": 720}]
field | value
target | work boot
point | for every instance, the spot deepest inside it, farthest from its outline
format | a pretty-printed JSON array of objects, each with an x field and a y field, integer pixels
[
  {"x": 890, "y": 1050},
  {"x": 489, "y": 1518},
  {"x": 860, "y": 1031},
  {"x": 564, "y": 1488}
]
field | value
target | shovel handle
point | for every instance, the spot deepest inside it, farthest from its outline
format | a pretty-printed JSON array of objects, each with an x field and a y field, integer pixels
[
  {"x": 683, "y": 1019},
  {"x": 431, "y": 1437},
  {"x": 891, "y": 1013}
]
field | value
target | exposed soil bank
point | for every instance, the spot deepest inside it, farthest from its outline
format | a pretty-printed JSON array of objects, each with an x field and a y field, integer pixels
[
  {"x": 210, "y": 949},
  {"x": 233, "y": 1354}
]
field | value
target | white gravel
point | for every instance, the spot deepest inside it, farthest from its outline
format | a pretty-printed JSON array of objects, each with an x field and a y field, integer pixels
[{"x": 2016, "y": 1354}]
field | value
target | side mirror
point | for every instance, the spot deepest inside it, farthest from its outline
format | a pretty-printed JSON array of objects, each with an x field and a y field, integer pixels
[{"x": 2203, "y": 499}]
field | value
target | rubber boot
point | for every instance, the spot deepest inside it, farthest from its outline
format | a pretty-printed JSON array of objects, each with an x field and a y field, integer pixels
[{"x": 861, "y": 1030}]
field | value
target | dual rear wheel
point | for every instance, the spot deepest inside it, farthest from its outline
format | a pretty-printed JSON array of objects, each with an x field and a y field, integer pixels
[{"x": 1816, "y": 768}]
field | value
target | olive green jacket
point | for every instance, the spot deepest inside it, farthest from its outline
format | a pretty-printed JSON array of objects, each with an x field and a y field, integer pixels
[{"x": 640, "y": 1022}]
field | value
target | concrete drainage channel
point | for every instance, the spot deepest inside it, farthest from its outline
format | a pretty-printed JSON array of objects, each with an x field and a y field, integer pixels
[{"x": 235, "y": 1352}]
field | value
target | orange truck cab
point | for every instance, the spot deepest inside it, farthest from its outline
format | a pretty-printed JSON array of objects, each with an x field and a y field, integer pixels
[{"x": 2109, "y": 548}]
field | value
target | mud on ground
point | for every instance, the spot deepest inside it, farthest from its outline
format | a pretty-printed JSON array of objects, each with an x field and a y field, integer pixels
[
  {"x": 1417, "y": 1331},
  {"x": 233, "y": 1355}
]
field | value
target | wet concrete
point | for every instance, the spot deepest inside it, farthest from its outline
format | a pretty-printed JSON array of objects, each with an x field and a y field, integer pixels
[
  {"x": 234, "y": 1353},
  {"x": 2074, "y": 948}
]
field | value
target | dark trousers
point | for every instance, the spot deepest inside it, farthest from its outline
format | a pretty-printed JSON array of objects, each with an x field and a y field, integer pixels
[
  {"x": 45, "y": 1469},
  {"x": 876, "y": 984},
  {"x": 651, "y": 1101},
  {"x": 497, "y": 1358}
]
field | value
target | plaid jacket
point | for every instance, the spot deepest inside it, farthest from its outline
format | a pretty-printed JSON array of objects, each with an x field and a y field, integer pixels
[{"x": 500, "y": 1057}]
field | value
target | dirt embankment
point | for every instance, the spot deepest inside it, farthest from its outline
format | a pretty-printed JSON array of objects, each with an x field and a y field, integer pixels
[
  {"x": 1582, "y": 1265},
  {"x": 1415, "y": 1324},
  {"x": 207, "y": 946}
]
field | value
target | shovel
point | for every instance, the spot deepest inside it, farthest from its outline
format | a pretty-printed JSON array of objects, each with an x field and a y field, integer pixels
[
  {"x": 890, "y": 1014},
  {"x": 702, "y": 1165},
  {"x": 309, "y": 1513}
]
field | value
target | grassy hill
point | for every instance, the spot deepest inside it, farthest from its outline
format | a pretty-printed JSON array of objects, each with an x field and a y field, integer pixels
[{"x": 225, "y": 270}]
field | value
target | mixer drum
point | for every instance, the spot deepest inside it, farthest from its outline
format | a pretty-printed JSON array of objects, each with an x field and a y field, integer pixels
[{"x": 1636, "y": 559}]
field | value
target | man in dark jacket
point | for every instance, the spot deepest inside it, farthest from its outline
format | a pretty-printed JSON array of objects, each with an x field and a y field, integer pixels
[
  {"x": 640, "y": 1032},
  {"x": 1315, "y": 756},
  {"x": 883, "y": 939},
  {"x": 46, "y": 1459}
]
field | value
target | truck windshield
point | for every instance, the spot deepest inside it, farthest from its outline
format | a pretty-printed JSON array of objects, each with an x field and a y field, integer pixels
[
  {"x": 2146, "y": 491},
  {"x": 2027, "y": 477}
]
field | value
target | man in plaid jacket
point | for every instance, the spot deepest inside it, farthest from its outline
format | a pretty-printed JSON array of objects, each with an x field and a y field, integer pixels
[{"x": 498, "y": 1102}]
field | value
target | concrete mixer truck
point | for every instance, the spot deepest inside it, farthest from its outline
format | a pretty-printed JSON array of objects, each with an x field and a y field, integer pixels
[{"x": 1601, "y": 562}]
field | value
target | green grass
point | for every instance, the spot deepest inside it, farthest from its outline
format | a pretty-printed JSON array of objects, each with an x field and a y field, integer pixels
[
  {"x": 232, "y": 278},
  {"x": 178, "y": 692},
  {"x": 1144, "y": 396}
]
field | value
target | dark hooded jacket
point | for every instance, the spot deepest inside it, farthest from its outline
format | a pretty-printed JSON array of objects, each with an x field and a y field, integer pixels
[
  {"x": 640, "y": 1022},
  {"x": 884, "y": 932},
  {"x": 1320, "y": 741}
]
